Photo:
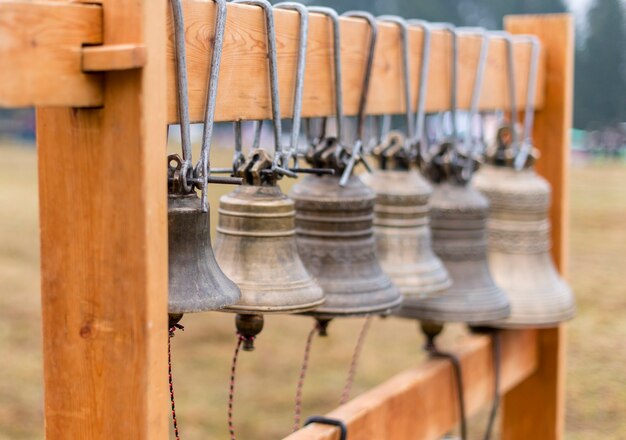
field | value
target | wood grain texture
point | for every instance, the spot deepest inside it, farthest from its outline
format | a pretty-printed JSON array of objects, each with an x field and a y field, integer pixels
[
  {"x": 420, "y": 403},
  {"x": 113, "y": 57},
  {"x": 40, "y": 54},
  {"x": 244, "y": 85},
  {"x": 536, "y": 408},
  {"x": 104, "y": 247}
]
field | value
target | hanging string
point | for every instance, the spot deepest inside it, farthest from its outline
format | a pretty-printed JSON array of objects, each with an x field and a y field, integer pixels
[
  {"x": 297, "y": 417},
  {"x": 456, "y": 367},
  {"x": 495, "y": 343},
  {"x": 345, "y": 396},
  {"x": 169, "y": 373},
  {"x": 231, "y": 392}
]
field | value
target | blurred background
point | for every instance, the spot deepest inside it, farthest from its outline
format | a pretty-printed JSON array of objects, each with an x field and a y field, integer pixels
[{"x": 596, "y": 378}]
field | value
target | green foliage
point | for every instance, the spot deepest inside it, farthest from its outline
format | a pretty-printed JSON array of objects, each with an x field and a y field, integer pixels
[{"x": 600, "y": 68}]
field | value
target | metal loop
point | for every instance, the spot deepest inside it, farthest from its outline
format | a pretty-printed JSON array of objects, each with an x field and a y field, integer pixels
[
  {"x": 183, "y": 94},
  {"x": 343, "y": 429},
  {"x": 420, "y": 108},
  {"x": 273, "y": 70},
  {"x": 334, "y": 18},
  {"x": 529, "y": 113},
  {"x": 358, "y": 145},
  {"x": 203, "y": 167},
  {"x": 299, "y": 83},
  {"x": 402, "y": 24},
  {"x": 510, "y": 58}
]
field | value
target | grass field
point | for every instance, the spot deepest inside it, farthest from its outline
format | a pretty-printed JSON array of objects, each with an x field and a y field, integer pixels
[{"x": 596, "y": 379}]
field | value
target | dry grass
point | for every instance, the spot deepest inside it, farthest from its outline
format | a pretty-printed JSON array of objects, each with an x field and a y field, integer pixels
[{"x": 267, "y": 377}]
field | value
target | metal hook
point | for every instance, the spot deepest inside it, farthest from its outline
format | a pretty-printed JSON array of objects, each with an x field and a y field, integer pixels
[
  {"x": 420, "y": 110},
  {"x": 404, "y": 41},
  {"x": 211, "y": 101},
  {"x": 299, "y": 83},
  {"x": 273, "y": 70},
  {"x": 358, "y": 145},
  {"x": 334, "y": 17},
  {"x": 529, "y": 114},
  {"x": 183, "y": 96}
]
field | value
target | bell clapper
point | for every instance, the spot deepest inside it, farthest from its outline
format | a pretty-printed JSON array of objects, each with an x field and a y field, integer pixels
[
  {"x": 431, "y": 330},
  {"x": 322, "y": 325},
  {"x": 248, "y": 327}
]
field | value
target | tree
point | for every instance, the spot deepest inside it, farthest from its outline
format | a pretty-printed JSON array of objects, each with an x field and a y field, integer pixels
[{"x": 601, "y": 74}]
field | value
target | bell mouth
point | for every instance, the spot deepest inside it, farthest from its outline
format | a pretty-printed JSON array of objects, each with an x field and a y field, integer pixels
[
  {"x": 273, "y": 309},
  {"x": 327, "y": 313}
]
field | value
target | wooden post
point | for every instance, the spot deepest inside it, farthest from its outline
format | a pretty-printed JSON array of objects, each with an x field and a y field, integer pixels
[
  {"x": 536, "y": 408},
  {"x": 104, "y": 246}
]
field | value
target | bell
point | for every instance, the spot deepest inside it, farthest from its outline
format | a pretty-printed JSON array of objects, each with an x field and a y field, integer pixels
[
  {"x": 256, "y": 247},
  {"x": 336, "y": 243},
  {"x": 458, "y": 221},
  {"x": 519, "y": 244},
  {"x": 196, "y": 282},
  {"x": 401, "y": 228}
]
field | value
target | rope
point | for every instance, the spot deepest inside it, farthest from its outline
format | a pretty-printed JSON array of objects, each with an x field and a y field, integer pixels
[
  {"x": 345, "y": 396},
  {"x": 297, "y": 417},
  {"x": 169, "y": 372},
  {"x": 231, "y": 392}
]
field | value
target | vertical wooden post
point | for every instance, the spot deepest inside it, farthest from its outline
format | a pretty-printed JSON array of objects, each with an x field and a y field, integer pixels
[
  {"x": 104, "y": 246},
  {"x": 536, "y": 407}
]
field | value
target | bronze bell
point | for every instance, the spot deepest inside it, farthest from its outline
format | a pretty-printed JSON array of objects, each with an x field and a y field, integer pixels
[
  {"x": 519, "y": 244},
  {"x": 401, "y": 228},
  {"x": 336, "y": 244},
  {"x": 256, "y": 246},
  {"x": 458, "y": 224},
  {"x": 196, "y": 282}
]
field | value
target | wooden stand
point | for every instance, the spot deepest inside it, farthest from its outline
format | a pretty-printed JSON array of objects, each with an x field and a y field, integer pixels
[{"x": 103, "y": 200}]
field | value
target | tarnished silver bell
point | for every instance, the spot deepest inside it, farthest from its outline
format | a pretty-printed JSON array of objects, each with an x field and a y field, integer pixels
[
  {"x": 519, "y": 245},
  {"x": 256, "y": 247},
  {"x": 336, "y": 244},
  {"x": 402, "y": 231},
  {"x": 196, "y": 282},
  {"x": 458, "y": 221}
]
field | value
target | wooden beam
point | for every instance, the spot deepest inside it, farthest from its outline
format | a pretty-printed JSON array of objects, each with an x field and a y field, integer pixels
[
  {"x": 244, "y": 87},
  {"x": 104, "y": 246},
  {"x": 420, "y": 403},
  {"x": 40, "y": 54},
  {"x": 41, "y": 58},
  {"x": 536, "y": 408}
]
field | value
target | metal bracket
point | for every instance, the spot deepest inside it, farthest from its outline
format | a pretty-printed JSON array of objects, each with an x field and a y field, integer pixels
[{"x": 343, "y": 429}]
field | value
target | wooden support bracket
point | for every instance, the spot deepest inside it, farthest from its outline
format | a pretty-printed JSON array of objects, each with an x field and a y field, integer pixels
[{"x": 113, "y": 57}]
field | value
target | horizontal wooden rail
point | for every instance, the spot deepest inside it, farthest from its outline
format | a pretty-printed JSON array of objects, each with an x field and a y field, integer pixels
[
  {"x": 420, "y": 403},
  {"x": 43, "y": 62}
]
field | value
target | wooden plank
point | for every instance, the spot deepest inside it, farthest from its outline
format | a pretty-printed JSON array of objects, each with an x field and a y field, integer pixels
[
  {"x": 244, "y": 87},
  {"x": 40, "y": 54},
  {"x": 113, "y": 57},
  {"x": 536, "y": 408},
  {"x": 420, "y": 403},
  {"x": 104, "y": 247},
  {"x": 42, "y": 47}
]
